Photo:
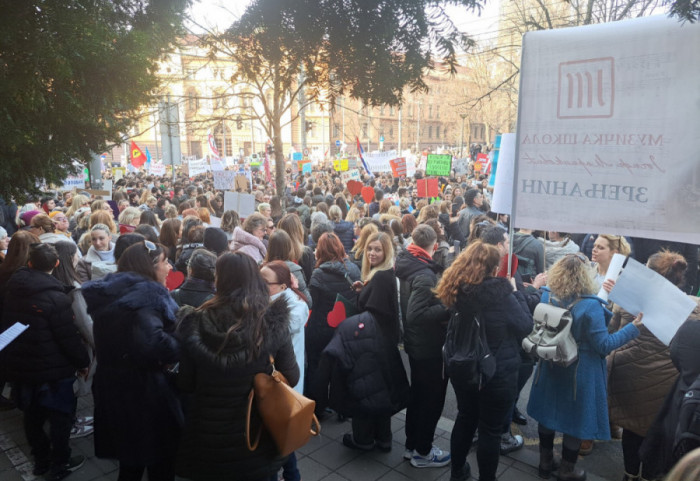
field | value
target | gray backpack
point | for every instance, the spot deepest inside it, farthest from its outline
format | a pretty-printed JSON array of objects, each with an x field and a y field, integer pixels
[{"x": 551, "y": 338}]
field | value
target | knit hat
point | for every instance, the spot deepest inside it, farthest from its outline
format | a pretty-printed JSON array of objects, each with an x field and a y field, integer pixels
[
  {"x": 27, "y": 217},
  {"x": 215, "y": 240},
  {"x": 55, "y": 213}
]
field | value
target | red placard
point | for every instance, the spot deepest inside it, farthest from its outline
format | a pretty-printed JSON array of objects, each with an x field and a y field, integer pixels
[
  {"x": 398, "y": 167},
  {"x": 428, "y": 187}
]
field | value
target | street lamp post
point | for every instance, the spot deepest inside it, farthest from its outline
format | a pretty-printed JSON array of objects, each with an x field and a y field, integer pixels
[
  {"x": 461, "y": 142},
  {"x": 418, "y": 130}
]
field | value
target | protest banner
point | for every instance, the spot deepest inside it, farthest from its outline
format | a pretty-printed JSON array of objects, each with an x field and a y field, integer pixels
[
  {"x": 438, "y": 164},
  {"x": 242, "y": 203},
  {"x": 398, "y": 167},
  {"x": 240, "y": 182},
  {"x": 352, "y": 174},
  {"x": 157, "y": 169},
  {"x": 427, "y": 187},
  {"x": 224, "y": 179},
  {"x": 379, "y": 161},
  {"x": 76, "y": 181},
  {"x": 196, "y": 167},
  {"x": 340, "y": 165},
  {"x": 607, "y": 136}
]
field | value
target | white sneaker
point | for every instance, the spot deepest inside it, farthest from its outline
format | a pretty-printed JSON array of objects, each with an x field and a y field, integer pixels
[
  {"x": 436, "y": 458},
  {"x": 81, "y": 430},
  {"x": 408, "y": 454}
]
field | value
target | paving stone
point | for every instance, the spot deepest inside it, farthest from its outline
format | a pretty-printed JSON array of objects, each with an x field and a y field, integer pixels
[{"x": 366, "y": 470}]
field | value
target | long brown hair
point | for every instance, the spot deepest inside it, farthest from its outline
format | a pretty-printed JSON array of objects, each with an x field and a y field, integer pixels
[
  {"x": 475, "y": 264},
  {"x": 280, "y": 247},
  {"x": 329, "y": 248},
  {"x": 240, "y": 288},
  {"x": 669, "y": 264},
  {"x": 17, "y": 254}
]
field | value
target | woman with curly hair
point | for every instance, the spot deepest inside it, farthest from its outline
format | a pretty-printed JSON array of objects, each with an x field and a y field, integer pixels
[
  {"x": 471, "y": 288},
  {"x": 573, "y": 400}
]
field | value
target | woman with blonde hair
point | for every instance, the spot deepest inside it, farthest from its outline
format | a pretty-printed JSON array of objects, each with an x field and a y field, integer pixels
[
  {"x": 378, "y": 297},
  {"x": 101, "y": 251},
  {"x": 604, "y": 248},
  {"x": 359, "y": 248},
  {"x": 204, "y": 214},
  {"x": 129, "y": 219},
  {"x": 573, "y": 400},
  {"x": 428, "y": 212},
  {"x": 470, "y": 287},
  {"x": 353, "y": 215},
  {"x": 103, "y": 217}
]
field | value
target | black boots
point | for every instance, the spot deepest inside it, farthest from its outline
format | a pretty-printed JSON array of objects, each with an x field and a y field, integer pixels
[
  {"x": 568, "y": 470},
  {"x": 546, "y": 463}
]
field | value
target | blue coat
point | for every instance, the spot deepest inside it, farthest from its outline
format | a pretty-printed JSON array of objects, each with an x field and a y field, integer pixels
[{"x": 574, "y": 399}]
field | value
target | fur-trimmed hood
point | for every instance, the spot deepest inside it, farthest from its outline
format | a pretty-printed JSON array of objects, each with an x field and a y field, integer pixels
[
  {"x": 490, "y": 292},
  {"x": 127, "y": 291},
  {"x": 203, "y": 332}
]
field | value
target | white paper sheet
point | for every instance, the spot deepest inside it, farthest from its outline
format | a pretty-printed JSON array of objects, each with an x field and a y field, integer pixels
[
  {"x": 11, "y": 334},
  {"x": 665, "y": 307},
  {"x": 613, "y": 273}
]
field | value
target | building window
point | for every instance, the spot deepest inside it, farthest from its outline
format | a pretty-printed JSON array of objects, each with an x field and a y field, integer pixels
[
  {"x": 381, "y": 110},
  {"x": 391, "y": 132},
  {"x": 437, "y": 111},
  {"x": 430, "y": 132},
  {"x": 391, "y": 110},
  {"x": 365, "y": 129},
  {"x": 437, "y": 132},
  {"x": 430, "y": 111}
]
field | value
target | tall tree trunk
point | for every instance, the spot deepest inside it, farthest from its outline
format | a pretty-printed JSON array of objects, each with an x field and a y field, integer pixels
[{"x": 279, "y": 159}]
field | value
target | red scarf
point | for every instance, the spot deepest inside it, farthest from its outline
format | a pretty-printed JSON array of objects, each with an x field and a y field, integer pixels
[{"x": 419, "y": 253}]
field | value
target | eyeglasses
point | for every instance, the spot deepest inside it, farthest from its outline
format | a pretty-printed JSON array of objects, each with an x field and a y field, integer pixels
[{"x": 59, "y": 219}]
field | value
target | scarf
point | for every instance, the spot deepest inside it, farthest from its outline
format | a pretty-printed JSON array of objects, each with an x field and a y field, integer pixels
[{"x": 419, "y": 253}]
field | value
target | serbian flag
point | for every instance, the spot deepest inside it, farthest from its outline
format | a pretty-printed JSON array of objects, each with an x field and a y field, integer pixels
[
  {"x": 360, "y": 152},
  {"x": 138, "y": 158}
]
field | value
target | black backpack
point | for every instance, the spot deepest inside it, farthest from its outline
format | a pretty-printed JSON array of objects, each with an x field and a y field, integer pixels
[
  {"x": 526, "y": 266},
  {"x": 466, "y": 355},
  {"x": 687, "y": 435}
]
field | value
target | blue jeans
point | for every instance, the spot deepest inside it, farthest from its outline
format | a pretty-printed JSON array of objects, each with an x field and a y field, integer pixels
[{"x": 486, "y": 409}]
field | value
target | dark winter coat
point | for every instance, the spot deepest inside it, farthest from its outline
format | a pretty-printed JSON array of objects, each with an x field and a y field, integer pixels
[
  {"x": 327, "y": 281},
  {"x": 213, "y": 445},
  {"x": 193, "y": 292},
  {"x": 528, "y": 248},
  {"x": 184, "y": 258},
  {"x": 505, "y": 315},
  {"x": 640, "y": 375},
  {"x": 423, "y": 316},
  {"x": 345, "y": 231},
  {"x": 137, "y": 413},
  {"x": 657, "y": 450},
  {"x": 51, "y": 348},
  {"x": 364, "y": 375},
  {"x": 380, "y": 297}
]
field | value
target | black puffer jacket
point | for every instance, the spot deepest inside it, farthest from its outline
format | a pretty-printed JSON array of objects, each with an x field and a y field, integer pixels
[
  {"x": 137, "y": 412},
  {"x": 213, "y": 445},
  {"x": 506, "y": 318},
  {"x": 193, "y": 292},
  {"x": 345, "y": 231},
  {"x": 51, "y": 349},
  {"x": 184, "y": 258},
  {"x": 424, "y": 317},
  {"x": 364, "y": 376},
  {"x": 327, "y": 281}
]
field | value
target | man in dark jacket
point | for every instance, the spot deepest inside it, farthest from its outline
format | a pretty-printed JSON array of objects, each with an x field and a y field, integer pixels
[
  {"x": 425, "y": 321},
  {"x": 43, "y": 360},
  {"x": 530, "y": 254}
]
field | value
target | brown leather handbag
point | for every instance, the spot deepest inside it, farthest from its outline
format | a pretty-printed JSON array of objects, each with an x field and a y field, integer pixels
[{"x": 287, "y": 415}]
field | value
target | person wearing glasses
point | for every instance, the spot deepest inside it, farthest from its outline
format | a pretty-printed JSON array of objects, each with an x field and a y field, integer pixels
[
  {"x": 573, "y": 400},
  {"x": 61, "y": 224},
  {"x": 226, "y": 342},
  {"x": 138, "y": 416}
]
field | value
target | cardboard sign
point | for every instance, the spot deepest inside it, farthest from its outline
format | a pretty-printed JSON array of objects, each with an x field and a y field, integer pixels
[
  {"x": 354, "y": 187},
  {"x": 428, "y": 187},
  {"x": 340, "y": 165},
  {"x": 157, "y": 169},
  {"x": 302, "y": 163},
  {"x": 224, "y": 179},
  {"x": 296, "y": 156},
  {"x": 398, "y": 167},
  {"x": 196, "y": 167},
  {"x": 367, "y": 194},
  {"x": 244, "y": 204},
  {"x": 353, "y": 174},
  {"x": 241, "y": 182},
  {"x": 438, "y": 164},
  {"x": 306, "y": 168}
]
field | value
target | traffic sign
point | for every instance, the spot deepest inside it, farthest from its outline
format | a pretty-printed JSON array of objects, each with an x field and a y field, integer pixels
[
  {"x": 306, "y": 152},
  {"x": 381, "y": 139},
  {"x": 337, "y": 143}
]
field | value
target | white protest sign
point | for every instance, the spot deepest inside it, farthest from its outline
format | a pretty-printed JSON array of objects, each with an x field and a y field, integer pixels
[
  {"x": 503, "y": 186},
  {"x": 665, "y": 307},
  {"x": 76, "y": 181},
  {"x": 196, "y": 167},
  {"x": 244, "y": 204},
  {"x": 379, "y": 161},
  {"x": 216, "y": 165},
  {"x": 224, "y": 179},
  {"x": 607, "y": 130},
  {"x": 214, "y": 221},
  {"x": 349, "y": 175},
  {"x": 157, "y": 169},
  {"x": 614, "y": 268}
]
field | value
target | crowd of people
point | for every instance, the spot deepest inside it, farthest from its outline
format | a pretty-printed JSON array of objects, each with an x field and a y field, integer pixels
[{"x": 162, "y": 305}]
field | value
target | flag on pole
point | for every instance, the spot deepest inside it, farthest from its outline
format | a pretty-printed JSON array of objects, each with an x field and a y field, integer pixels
[
  {"x": 360, "y": 152},
  {"x": 138, "y": 158},
  {"x": 148, "y": 157},
  {"x": 212, "y": 147}
]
